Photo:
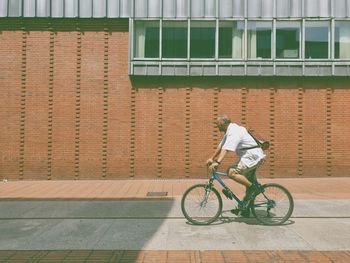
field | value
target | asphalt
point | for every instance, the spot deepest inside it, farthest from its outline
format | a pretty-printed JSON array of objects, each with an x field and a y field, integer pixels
[{"x": 34, "y": 225}]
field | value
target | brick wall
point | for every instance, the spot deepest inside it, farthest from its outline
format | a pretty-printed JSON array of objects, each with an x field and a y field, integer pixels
[{"x": 69, "y": 110}]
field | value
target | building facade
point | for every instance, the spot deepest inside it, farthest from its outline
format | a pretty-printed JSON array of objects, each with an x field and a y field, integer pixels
[{"x": 114, "y": 89}]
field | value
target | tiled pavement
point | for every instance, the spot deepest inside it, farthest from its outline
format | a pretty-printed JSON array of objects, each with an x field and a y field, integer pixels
[
  {"x": 301, "y": 188},
  {"x": 129, "y": 256}
]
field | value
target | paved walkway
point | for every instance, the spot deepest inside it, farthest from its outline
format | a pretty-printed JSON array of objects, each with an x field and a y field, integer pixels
[
  {"x": 301, "y": 188},
  {"x": 73, "y": 221}
]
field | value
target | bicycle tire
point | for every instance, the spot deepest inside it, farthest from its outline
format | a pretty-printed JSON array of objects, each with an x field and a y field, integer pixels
[
  {"x": 188, "y": 214},
  {"x": 267, "y": 217}
]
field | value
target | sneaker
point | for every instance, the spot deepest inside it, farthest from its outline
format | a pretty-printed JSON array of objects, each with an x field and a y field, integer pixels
[
  {"x": 236, "y": 211},
  {"x": 227, "y": 193},
  {"x": 242, "y": 212}
]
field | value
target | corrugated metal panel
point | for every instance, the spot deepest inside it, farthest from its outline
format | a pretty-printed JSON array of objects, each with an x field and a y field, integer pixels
[
  {"x": 169, "y": 8},
  {"x": 225, "y": 8},
  {"x": 125, "y": 6},
  {"x": 113, "y": 8},
  {"x": 317, "y": 8},
  {"x": 324, "y": 8},
  {"x": 210, "y": 8},
  {"x": 267, "y": 7},
  {"x": 283, "y": 8},
  {"x": 254, "y": 8},
  {"x": 85, "y": 8},
  {"x": 3, "y": 8},
  {"x": 295, "y": 8},
  {"x": 339, "y": 8},
  {"x": 57, "y": 8},
  {"x": 154, "y": 8},
  {"x": 99, "y": 8},
  {"x": 29, "y": 8},
  {"x": 182, "y": 8},
  {"x": 140, "y": 8},
  {"x": 43, "y": 8},
  {"x": 238, "y": 8},
  {"x": 15, "y": 8},
  {"x": 71, "y": 8},
  {"x": 197, "y": 8}
]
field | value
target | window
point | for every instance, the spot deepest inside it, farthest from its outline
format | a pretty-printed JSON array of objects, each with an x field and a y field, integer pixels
[
  {"x": 316, "y": 39},
  {"x": 231, "y": 41},
  {"x": 259, "y": 39},
  {"x": 146, "y": 39},
  {"x": 287, "y": 39},
  {"x": 202, "y": 39},
  {"x": 342, "y": 39},
  {"x": 174, "y": 40}
]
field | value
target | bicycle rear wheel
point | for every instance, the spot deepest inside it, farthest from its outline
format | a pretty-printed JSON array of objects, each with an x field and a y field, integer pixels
[
  {"x": 200, "y": 205},
  {"x": 273, "y": 206}
]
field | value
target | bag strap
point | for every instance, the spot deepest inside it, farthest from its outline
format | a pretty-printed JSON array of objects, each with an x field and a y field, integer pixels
[{"x": 253, "y": 147}]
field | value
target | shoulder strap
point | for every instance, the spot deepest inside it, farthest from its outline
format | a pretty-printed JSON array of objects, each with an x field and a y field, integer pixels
[{"x": 253, "y": 147}]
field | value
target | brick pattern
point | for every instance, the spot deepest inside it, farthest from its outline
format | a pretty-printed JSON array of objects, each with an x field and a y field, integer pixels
[
  {"x": 164, "y": 256},
  {"x": 71, "y": 111}
]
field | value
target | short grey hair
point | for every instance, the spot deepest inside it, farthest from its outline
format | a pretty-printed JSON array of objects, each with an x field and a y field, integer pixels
[{"x": 224, "y": 118}]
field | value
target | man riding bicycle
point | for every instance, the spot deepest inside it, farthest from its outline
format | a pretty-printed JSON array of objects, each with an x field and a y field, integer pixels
[{"x": 237, "y": 139}]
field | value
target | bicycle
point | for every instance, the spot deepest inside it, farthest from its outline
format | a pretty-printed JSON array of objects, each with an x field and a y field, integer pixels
[{"x": 201, "y": 204}]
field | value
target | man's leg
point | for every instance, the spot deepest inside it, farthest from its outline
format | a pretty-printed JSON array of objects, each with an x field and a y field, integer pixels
[{"x": 234, "y": 175}]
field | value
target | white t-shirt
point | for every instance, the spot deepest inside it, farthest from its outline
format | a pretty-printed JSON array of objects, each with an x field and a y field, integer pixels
[{"x": 237, "y": 138}]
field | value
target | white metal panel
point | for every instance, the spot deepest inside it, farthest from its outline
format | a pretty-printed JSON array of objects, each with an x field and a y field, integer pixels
[
  {"x": 154, "y": 8},
  {"x": 210, "y": 8},
  {"x": 283, "y": 8},
  {"x": 99, "y": 8},
  {"x": 141, "y": 8},
  {"x": 197, "y": 8},
  {"x": 43, "y": 8},
  {"x": 125, "y": 6},
  {"x": 311, "y": 8},
  {"x": 348, "y": 8},
  {"x": 15, "y": 7},
  {"x": 254, "y": 8},
  {"x": 71, "y": 8},
  {"x": 85, "y": 8},
  {"x": 339, "y": 8},
  {"x": 3, "y": 8},
  {"x": 295, "y": 8},
  {"x": 113, "y": 8},
  {"x": 324, "y": 8},
  {"x": 238, "y": 8},
  {"x": 182, "y": 8},
  {"x": 225, "y": 8},
  {"x": 267, "y": 8},
  {"x": 169, "y": 8},
  {"x": 29, "y": 8},
  {"x": 57, "y": 8}
]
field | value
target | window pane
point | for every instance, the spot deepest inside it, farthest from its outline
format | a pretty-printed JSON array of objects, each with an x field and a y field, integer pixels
[
  {"x": 202, "y": 39},
  {"x": 287, "y": 39},
  {"x": 174, "y": 42},
  {"x": 342, "y": 39},
  {"x": 259, "y": 39},
  {"x": 231, "y": 39},
  {"x": 316, "y": 39},
  {"x": 146, "y": 39}
]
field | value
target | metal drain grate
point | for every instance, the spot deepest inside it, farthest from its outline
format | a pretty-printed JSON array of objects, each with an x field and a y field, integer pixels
[{"x": 157, "y": 193}]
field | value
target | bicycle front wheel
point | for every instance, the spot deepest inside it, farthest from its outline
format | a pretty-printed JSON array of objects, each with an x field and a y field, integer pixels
[
  {"x": 273, "y": 206},
  {"x": 200, "y": 205}
]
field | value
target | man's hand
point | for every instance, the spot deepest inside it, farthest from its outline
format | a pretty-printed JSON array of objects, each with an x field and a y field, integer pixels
[
  {"x": 210, "y": 161},
  {"x": 213, "y": 166}
]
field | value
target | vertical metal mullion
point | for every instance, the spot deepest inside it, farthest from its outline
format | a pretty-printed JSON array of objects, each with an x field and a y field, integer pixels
[
  {"x": 332, "y": 29},
  {"x": 245, "y": 45},
  {"x": 131, "y": 41},
  {"x": 188, "y": 45},
  {"x": 303, "y": 44},
  {"x": 216, "y": 39},
  {"x": 160, "y": 45},
  {"x": 273, "y": 51}
]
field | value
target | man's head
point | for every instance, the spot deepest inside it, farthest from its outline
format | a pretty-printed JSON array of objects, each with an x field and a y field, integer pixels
[{"x": 222, "y": 122}]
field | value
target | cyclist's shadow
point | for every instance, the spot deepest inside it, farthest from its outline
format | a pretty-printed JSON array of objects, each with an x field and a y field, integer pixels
[{"x": 228, "y": 217}]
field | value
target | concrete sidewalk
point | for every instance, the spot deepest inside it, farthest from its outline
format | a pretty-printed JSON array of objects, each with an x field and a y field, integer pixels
[{"x": 117, "y": 221}]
